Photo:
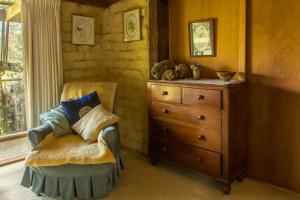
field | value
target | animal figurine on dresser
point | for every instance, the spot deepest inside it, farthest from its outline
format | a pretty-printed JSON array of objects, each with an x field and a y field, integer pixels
[
  {"x": 159, "y": 68},
  {"x": 182, "y": 71},
  {"x": 169, "y": 75}
]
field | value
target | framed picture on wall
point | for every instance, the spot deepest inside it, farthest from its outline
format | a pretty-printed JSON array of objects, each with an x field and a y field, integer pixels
[
  {"x": 83, "y": 30},
  {"x": 132, "y": 27},
  {"x": 202, "y": 38}
]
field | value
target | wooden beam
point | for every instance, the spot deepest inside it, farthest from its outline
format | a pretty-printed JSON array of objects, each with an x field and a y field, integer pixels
[
  {"x": 13, "y": 160},
  {"x": 99, "y": 3},
  {"x": 13, "y": 136}
]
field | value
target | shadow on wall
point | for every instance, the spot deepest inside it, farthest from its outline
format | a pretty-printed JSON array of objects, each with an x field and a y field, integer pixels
[
  {"x": 273, "y": 48},
  {"x": 274, "y": 127}
]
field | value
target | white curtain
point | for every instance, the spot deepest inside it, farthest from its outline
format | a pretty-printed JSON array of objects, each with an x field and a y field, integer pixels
[{"x": 43, "y": 57}]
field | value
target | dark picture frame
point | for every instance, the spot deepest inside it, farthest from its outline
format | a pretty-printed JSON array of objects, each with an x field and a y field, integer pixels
[{"x": 201, "y": 35}]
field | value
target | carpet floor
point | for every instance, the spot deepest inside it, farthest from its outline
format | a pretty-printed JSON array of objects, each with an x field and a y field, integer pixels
[{"x": 142, "y": 181}]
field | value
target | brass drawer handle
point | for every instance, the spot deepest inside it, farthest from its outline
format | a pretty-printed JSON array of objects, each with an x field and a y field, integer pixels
[
  {"x": 200, "y": 97},
  {"x": 165, "y": 129},
  {"x": 201, "y": 117},
  {"x": 164, "y": 110},
  {"x": 165, "y": 93},
  {"x": 200, "y": 160},
  {"x": 201, "y": 137},
  {"x": 164, "y": 149}
]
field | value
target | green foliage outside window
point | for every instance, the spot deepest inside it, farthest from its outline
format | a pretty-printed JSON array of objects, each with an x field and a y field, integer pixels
[{"x": 12, "y": 101}]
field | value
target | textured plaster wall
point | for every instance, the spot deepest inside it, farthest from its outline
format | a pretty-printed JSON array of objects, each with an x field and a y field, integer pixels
[
  {"x": 114, "y": 60},
  {"x": 81, "y": 62},
  {"x": 128, "y": 64}
]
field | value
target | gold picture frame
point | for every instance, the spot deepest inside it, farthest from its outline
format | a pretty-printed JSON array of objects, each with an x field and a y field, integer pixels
[{"x": 201, "y": 34}]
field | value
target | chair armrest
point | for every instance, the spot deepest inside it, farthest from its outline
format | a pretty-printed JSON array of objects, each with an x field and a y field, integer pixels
[
  {"x": 37, "y": 134},
  {"x": 112, "y": 138}
]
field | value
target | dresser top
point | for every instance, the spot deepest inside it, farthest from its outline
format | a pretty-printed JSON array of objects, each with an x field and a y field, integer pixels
[{"x": 209, "y": 82}]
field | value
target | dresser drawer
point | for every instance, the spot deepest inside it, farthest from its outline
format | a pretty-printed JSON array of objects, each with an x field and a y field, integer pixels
[
  {"x": 204, "y": 118},
  {"x": 204, "y": 138},
  {"x": 202, "y": 97},
  {"x": 166, "y": 93},
  {"x": 197, "y": 159}
]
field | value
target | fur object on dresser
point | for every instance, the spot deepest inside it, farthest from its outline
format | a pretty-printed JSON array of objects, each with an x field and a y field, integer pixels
[
  {"x": 167, "y": 70},
  {"x": 159, "y": 68}
]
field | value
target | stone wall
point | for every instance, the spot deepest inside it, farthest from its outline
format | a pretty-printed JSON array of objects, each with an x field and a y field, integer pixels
[
  {"x": 81, "y": 62},
  {"x": 128, "y": 64},
  {"x": 112, "y": 59}
]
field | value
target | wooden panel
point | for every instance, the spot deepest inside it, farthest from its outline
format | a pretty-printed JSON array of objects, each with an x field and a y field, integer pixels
[
  {"x": 194, "y": 158},
  {"x": 166, "y": 93},
  {"x": 204, "y": 118},
  {"x": 229, "y": 29},
  {"x": 204, "y": 138},
  {"x": 162, "y": 29},
  {"x": 274, "y": 91},
  {"x": 200, "y": 97}
]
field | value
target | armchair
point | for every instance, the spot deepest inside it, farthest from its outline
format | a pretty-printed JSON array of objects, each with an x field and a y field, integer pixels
[{"x": 77, "y": 181}]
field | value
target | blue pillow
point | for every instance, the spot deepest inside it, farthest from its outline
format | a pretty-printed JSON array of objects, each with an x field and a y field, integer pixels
[
  {"x": 56, "y": 119},
  {"x": 75, "y": 109}
]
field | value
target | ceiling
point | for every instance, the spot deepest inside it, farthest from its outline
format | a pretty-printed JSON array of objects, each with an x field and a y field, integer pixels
[
  {"x": 95, "y": 2},
  {"x": 6, "y": 3}
]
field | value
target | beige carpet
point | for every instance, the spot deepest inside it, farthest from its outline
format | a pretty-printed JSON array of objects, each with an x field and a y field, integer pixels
[{"x": 142, "y": 181}]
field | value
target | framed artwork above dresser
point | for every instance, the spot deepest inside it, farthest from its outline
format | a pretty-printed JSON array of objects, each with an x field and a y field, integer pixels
[{"x": 200, "y": 125}]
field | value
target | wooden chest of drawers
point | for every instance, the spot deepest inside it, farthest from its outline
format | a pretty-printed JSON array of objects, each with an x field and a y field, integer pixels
[{"x": 199, "y": 126}]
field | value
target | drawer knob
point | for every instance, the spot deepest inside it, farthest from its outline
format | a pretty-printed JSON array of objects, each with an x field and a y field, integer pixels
[
  {"x": 164, "y": 110},
  {"x": 200, "y": 160},
  {"x": 201, "y": 117},
  {"x": 164, "y": 149},
  {"x": 165, "y": 129},
  {"x": 200, "y": 97},
  {"x": 201, "y": 137},
  {"x": 165, "y": 93}
]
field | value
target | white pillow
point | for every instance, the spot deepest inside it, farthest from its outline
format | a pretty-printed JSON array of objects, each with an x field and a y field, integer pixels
[{"x": 90, "y": 125}]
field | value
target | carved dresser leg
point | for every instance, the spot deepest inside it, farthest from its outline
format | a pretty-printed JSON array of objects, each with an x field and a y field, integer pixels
[
  {"x": 153, "y": 161},
  {"x": 241, "y": 177},
  {"x": 227, "y": 188}
]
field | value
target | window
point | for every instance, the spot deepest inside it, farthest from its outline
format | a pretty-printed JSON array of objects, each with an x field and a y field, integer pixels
[
  {"x": 12, "y": 101},
  {"x": 13, "y": 144}
]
